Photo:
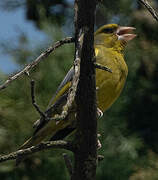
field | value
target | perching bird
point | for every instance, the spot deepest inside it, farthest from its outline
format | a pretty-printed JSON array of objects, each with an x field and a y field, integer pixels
[{"x": 109, "y": 43}]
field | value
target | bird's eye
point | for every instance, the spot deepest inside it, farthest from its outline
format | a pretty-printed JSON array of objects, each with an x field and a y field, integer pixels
[{"x": 108, "y": 30}]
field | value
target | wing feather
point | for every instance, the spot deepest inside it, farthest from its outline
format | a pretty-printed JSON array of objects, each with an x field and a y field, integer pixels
[{"x": 63, "y": 87}]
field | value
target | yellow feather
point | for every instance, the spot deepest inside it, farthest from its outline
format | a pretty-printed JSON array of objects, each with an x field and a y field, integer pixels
[{"x": 61, "y": 92}]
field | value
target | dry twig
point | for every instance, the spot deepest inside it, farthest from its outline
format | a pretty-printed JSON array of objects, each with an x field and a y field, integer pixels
[
  {"x": 150, "y": 9},
  {"x": 42, "y": 146},
  {"x": 33, "y": 99},
  {"x": 30, "y": 66}
]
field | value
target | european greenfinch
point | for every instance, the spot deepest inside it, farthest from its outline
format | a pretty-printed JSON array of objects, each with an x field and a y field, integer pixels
[{"x": 109, "y": 43}]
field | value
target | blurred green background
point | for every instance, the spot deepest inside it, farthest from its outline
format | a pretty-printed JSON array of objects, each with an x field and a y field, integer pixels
[{"x": 129, "y": 129}]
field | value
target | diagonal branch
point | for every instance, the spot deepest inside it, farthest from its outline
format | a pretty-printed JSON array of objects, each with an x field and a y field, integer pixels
[
  {"x": 150, "y": 9},
  {"x": 30, "y": 66},
  {"x": 43, "y": 146}
]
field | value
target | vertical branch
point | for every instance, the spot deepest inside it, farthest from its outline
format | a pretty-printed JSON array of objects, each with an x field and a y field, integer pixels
[{"x": 86, "y": 136}]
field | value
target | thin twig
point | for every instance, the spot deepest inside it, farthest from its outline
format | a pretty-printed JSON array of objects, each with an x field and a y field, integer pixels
[
  {"x": 99, "y": 66},
  {"x": 43, "y": 146},
  {"x": 68, "y": 163},
  {"x": 33, "y": 99},
  {"x": 150, "y": 9},
  {"x": 30, "y": 66}
]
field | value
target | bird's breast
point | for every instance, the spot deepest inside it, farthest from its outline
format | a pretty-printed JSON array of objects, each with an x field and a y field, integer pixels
[{"x": 109, "y": 85}]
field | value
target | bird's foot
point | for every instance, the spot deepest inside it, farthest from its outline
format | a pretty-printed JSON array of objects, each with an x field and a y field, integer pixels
[
  {"x": 98, "y": 142},
  {"x": 99, "y": 113}
]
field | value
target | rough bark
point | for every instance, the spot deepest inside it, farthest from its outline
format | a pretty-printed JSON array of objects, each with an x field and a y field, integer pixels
[{"x": 86, "y": 136}]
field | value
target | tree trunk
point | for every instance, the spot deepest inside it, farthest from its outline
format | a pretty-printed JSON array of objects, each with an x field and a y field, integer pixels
[{"x": 86, "y": 136}]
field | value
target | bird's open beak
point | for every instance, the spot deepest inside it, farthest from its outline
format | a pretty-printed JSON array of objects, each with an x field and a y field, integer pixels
[{"x": 125, "y": 33}]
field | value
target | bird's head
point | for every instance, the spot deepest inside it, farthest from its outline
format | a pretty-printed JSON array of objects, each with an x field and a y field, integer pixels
[{"x": 114, "y": 36}]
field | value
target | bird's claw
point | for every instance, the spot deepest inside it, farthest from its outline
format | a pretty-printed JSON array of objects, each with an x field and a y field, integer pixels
[
  {"x": 98, "y": 142},
  {"x": 57, "y": 122},
  {"x": 99, "y": 113}
]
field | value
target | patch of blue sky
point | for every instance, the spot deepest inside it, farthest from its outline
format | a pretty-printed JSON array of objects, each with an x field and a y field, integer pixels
[
  {"x": 7, "y": 65},
  {"x": 12, "y": 23}
]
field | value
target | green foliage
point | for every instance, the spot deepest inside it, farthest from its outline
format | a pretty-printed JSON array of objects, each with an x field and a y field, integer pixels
[
  {"x": 129, "y": 128},
  {"x": 17, "y": 116}
]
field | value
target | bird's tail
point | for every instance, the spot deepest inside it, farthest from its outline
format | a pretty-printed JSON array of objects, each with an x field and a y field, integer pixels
[
  {"x": 30, "y": 142},
  {"x": 51, "y": 129}
]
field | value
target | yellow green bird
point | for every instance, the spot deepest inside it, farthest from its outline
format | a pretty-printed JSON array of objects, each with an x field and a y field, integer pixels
[{"x": 109, "y": 43}]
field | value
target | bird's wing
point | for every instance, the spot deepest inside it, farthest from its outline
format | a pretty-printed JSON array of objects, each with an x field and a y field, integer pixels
[
  {"x": 63, "y": 87},
  {"x": 60, "y": 96},
  {"x": 66, "y": 83},
  {"x": 58, "y": 99}
]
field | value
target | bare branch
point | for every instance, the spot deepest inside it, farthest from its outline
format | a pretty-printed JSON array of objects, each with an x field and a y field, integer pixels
[
  {"x": 30, "y": 66},
  {"x": 150, "y": 9},
  {"x": 42, "y": 146},
  {"x": 33, "y": 99}
]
